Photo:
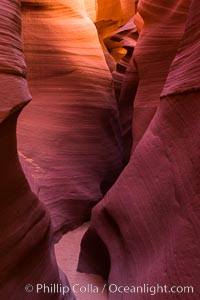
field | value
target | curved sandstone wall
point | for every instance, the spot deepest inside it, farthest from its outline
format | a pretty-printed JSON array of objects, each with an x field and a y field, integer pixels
[
  {"x": 26, "y": 249},
  {"x": 146, "y": 228}
]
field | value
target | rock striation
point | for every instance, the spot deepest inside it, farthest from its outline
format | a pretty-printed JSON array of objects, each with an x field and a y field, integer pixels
[
  {"x": 146, "y": 228},
  {"x": 125, "y": 81},
  {"x": 26, "y": 249},
  {"x": 74, "y": 152},
  {"x": 159, "y": 39}
]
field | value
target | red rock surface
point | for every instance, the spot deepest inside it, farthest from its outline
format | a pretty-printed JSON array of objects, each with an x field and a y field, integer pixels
[
  {"x": 26, "y": 249},
  {"x": 146, "y": 229},
  {"x": 163, "y": 28},
  {"x": 74, "y": 152},
  {"x": 125, "y": 81},
  {"x": 71, "y": 142}
]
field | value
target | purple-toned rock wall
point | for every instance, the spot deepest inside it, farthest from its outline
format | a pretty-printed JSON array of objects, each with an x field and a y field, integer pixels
[{"x": 111, "y": 136}]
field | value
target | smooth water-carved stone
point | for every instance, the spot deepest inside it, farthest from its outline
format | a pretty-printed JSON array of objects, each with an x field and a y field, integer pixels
[
  {"x": 74, "y": 152},
  {"x": 147, "y": 225},
  {"x": 26, "y": 250}
]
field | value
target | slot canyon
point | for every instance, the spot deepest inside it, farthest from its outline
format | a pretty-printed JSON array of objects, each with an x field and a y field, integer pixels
[{"x": 100, "y": 149}]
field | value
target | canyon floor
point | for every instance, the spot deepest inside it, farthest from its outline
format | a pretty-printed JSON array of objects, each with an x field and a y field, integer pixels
[{"x": 67, "y": 253}]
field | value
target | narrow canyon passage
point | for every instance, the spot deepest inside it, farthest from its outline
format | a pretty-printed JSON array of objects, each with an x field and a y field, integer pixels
[{"x": 100, "y": 149}]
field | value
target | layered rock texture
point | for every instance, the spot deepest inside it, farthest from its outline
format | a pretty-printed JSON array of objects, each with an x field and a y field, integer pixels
[
  {"x": 146, "y": 229},
  {"x": 112, "y": 133},
  {"x": 74, "y": 152},
  {"x": 160, "y": 37},
  {"x": 26, "y": 250},
  {"x": 125, "y": 81}
]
